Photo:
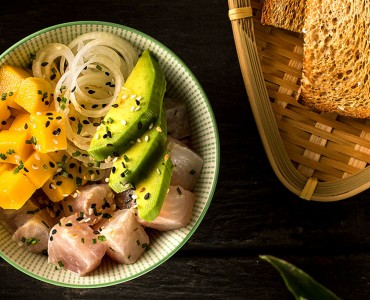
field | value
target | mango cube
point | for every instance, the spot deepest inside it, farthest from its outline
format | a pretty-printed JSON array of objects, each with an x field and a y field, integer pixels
[
  {"x": 38, "y": 168},
  {"x": 73, "y": 174},
  {"x": 4, "y": 111},
  {"x": 11, "y": 78},
  {"x": 49, "y": 130},
  {"x": 15, "y": 189},
  {"x": 21, "y": 123},
  {"x": 6, "y": 124},
  {"x": 34, "y": 95},
  {"x": 5, "y": 167},
  {"x": 14, "y": 146}
]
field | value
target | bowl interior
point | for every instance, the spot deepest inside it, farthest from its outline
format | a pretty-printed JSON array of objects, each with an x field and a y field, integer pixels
[{"x": 182, "y": 84}]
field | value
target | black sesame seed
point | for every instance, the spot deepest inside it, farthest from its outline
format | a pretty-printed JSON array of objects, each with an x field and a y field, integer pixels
[
  {"x": 59, "y": 183},
  {"x": 51, "y": 238},
  {"x": 49, "y": 114},
  {"x": 86, "y": 122},
  {"x": 72, "y": 119},
  {"x": 96, "y": 232},
  {"x": 147, "y": 195},
  {"x": 115, "y": 105},
  {"x": 44, "y": 64},
  {"x": 51, "y": 164},
  {"x": 91, "y": 92},
  {"x": 139, "y": 125},
  {"x": 53, "y": 76},
  {"x": 95, "y": 106},
  {"x": 47, "y": 124},
  {"x": 57, "y": 131},
  {"x": 123, "y": 174},
  {"x": 114, "y": 170},
  {"x": 103, "y": 105},
  {"x": 110, "y": 145},
  {"x": 3, "y": 122},
  {"x": 58, "y": 117},
  {"x": 47, "y": 102},
  {"x": 74, "y": 88},
  {"x": 79, "y": 219},
  {"x": 137, "y": 102},
  {"x": 69, "y": 225},
  {"x": 54, "y": 231},
  {"x": 96, "y": 124},
  {"x": 72, "y": 165},
  {"x": 93, "y": 205}
]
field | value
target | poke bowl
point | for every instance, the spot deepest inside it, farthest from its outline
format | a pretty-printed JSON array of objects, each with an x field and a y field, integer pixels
[{"x": 202, "y": 139}]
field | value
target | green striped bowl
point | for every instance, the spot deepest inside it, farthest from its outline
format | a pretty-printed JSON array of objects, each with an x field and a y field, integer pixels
[{"x": 181, "y": 84}]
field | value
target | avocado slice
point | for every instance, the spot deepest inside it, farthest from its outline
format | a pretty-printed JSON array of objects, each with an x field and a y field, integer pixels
[
  {"x": 137, "y": 105},
  {"x": 129, "y": 167},
  {"x": 152, "y": 189}
]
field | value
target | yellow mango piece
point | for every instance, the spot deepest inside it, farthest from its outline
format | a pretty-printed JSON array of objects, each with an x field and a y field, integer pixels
[
  {"x": 34, "y": 95},
  {"x": 5, "y": 167},
  {"x": 38, "y": 168},
  {"x": 49, "y": 130},
  {"x": 14, "y": 146},
  {"x": 4, "y": 111},
  {"x": 6, "y": 124},
  {"x": 11, "y": 78},
  {"x": 65, "y": 182},
  {"x": 15, "y": 112},
  {"x": 15, "y": 189},
  {"x": 21, "y": 122}
]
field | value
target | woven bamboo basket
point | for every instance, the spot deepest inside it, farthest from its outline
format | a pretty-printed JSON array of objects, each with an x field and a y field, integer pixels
[{"x": 318, "y": 156}]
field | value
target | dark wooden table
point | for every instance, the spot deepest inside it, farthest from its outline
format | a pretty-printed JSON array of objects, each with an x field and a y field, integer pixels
[{"x": 252, "y": 213}]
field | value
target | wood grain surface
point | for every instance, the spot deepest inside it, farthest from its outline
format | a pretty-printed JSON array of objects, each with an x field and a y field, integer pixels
[{"x": 251, "y": 213}]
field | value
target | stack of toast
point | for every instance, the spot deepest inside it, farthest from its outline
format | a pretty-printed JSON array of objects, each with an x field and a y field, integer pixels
[{"x": 336, "y": 59}]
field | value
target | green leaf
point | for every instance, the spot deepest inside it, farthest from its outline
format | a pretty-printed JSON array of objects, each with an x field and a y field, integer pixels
[{"x": 299, "y": 283}]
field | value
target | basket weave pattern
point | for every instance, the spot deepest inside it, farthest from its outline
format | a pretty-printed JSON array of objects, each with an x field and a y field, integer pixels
[{"x": 326, "y": 147}]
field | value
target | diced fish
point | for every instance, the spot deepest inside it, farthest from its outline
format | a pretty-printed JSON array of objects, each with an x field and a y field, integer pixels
[
  {"x": 187, "y": 164},
  {"x": 90, "y": 203},
  {"x": 34, "y": 234},
  {"x": 12, "y": 219},
  {"x": 125, "y": 237},
  {"x": 177, "y": 118},
  {"x": 75, "y": 246},
  {"x": 176, "y": 211}
]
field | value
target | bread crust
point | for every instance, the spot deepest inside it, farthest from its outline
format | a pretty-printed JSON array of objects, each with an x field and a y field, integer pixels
[
  {"x": 336, "y": 62},
  {"x": 285, "y": 14}
]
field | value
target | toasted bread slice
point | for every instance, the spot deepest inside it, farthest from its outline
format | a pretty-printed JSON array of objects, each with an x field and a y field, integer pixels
[
  {"x": 336, "y": 63},
  {"x": 285, "y": 14}
]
